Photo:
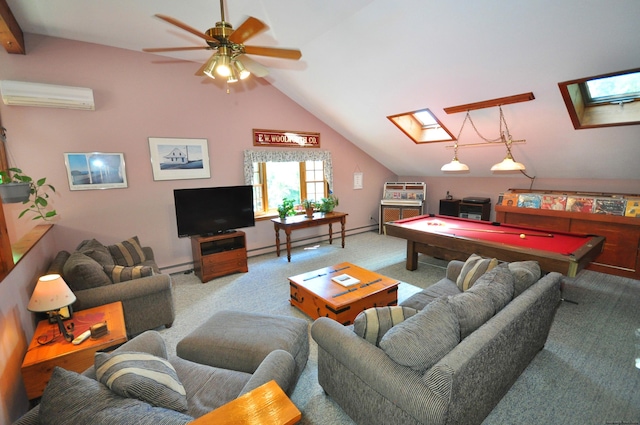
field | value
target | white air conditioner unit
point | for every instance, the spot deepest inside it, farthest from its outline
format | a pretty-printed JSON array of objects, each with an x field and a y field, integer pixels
[{"x": 46, "y": 95}]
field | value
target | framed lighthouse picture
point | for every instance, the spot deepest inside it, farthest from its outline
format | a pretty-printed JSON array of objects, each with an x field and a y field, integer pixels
[{"x": 177, "y": 159}]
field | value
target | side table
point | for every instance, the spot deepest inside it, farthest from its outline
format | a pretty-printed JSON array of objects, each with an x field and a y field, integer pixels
[{"x": 40, "y": 359}]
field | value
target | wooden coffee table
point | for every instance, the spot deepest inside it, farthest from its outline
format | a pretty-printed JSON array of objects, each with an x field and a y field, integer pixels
[
  {"x": 317, "y": 295},
  {"x": 40, "y": 359}
]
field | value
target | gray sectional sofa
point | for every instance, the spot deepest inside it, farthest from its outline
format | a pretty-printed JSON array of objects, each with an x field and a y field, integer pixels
[
  {"x": 100, "y": 274},
  {"x": 445, "y": 356}
]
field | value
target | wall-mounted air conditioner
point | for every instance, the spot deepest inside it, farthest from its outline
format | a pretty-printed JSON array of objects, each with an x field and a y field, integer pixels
[{"x": 46, "y": 95}]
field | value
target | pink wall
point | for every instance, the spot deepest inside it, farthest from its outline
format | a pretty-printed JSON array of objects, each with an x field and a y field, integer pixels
[{"x": 137, "y": 96}]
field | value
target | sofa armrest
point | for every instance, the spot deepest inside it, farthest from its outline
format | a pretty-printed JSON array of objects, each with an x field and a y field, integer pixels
[
  {"x": 122, "y": 291},
  {"x": 453, "y": 269},
  {"x": 279, "y": 365}
]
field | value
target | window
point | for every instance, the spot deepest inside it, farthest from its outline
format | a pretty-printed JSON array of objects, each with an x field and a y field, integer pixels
[
  {"x": 603, "y": 100},
  {"x": 421, "y": 126},
  {"x": 278, "y": 174}
]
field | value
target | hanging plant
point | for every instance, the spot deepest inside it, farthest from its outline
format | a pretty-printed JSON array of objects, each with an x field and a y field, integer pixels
[{"x": 35, "y": 194}]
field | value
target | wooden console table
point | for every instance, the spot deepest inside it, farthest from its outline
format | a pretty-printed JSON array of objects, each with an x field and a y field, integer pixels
[
  {"x": 267, "y": 404},
  {"x": 289, "y": 224}
]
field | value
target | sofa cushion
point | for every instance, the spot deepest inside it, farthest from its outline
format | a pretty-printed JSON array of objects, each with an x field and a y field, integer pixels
[
  {"x": 82, "y": 272},
  {"x": 419, "y": 300},
  {"x": 473, "y": 268},
  {"x": 122, "y": 273},
  {"x": 525, "y": 274},
  {"x": 127, "y": 253},
  {"x": 94, "y": 249},
  {"x": 373, "y": 323},
  {"x": 423, "y": 339},
  {"x": 143, "y": 376},
  {"x": 498, "y": 283},
  {"x": 473, "y": 310},
  {"x": 70, "y": 398}
]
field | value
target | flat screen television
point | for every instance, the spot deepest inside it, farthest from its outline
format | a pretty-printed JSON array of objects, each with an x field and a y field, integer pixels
[{"x": 211, "y": 210}]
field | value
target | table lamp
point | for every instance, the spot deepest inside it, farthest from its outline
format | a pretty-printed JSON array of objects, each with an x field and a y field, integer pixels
[{"x": 50, "y": 295}]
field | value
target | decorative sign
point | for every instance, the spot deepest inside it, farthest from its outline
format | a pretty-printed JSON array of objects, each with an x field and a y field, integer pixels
[{"x": 297, "y": 139}]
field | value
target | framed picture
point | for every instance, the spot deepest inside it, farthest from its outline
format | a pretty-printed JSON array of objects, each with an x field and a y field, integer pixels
[
  {"x": 177, "y": 159},
  {"x": 95, "y": 170}
]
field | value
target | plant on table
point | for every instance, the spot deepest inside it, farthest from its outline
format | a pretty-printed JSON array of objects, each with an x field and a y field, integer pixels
[
  {"x": 309, "y": 205},
  {"x": 286, "y": 208},
  {"x": 329, "y": 203}
]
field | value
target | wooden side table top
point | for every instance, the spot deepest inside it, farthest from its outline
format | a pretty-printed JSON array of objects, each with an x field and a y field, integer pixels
[
  {"x": 267, "y": 404},
  {"x": 40, "y": 359}
]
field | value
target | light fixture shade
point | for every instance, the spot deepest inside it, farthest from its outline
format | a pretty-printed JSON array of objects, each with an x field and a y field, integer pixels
[
  {"x": 223, "y": 67},
  {"x": 508, "y": 164},
  {"x": 242, "y": 71},
  {"x": 210, "y": 66},
  {"x": 51, "y": 293},
  {"x": 455, "y": 166}
]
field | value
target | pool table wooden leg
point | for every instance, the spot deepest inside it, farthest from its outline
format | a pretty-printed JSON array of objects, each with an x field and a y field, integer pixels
[{"x": 412, "y": 256}]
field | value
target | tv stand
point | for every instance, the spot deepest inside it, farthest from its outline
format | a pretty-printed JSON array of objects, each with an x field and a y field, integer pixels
[{"x": 219, "y": 255}]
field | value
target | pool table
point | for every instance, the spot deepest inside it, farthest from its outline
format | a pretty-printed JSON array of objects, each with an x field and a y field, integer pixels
[{"x": 452, "y": 238}]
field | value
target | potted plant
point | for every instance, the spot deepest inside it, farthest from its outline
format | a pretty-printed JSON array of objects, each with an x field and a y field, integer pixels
[
  {"x": 15, "y": 186},
  {"x": 286, "y": 208},
  {"x": 308, "y": 206},
  {"x": 328, "y": 204}
]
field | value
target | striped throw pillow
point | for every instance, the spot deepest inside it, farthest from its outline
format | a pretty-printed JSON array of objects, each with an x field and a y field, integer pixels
[
  {"x": 373, "y": 323},
  {"x": 143, "y": 376},
  {"x": 127, "y": 253},
  {"x": 473, "y": 268},
  {"x": 122, "y": 273}
]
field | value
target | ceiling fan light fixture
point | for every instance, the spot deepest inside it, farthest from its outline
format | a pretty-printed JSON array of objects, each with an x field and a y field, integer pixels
[
  {"x": 242, "y": 71},
  {"x": 210, "y": 67},
  {"x": 223, "y": 67},
  {"x": 233, "y": 77}
]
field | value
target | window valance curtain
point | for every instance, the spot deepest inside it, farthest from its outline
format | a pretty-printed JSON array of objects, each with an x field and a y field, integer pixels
[{"x": 287, "y": 155}]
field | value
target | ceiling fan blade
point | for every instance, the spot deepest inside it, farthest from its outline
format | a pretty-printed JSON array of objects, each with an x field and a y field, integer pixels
[
  {"x": 254, "y": 67},
  {"x": 247, "y": 29},
  {"x": 174, "y": 49},
  {"x": 273, "y": 52},
  {"x": 185, "y": 27}
]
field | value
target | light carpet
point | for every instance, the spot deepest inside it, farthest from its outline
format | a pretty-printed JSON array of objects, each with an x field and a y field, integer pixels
[{"x": 585, "y": 374}]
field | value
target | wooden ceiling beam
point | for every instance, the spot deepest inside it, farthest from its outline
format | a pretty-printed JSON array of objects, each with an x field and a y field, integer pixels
[
  {"x": 10, "y": 32},
  {"x": 524, "y": 97}
]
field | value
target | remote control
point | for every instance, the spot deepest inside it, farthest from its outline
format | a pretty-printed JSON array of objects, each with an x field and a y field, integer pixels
[{"x": 81, "y": 337}]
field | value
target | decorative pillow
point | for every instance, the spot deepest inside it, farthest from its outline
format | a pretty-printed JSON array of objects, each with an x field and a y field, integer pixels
[
  {"x": 499, "y": 282},
  {"x": 473, "y": 310},
  {"x": 127, "y": 253},
  {"x": 81, "y": 272},
  {"x": 122, "y": 273},
  {"x": 473, "y": 268},
  {"x": 373, "y": 323},
  {"x": 421, "y": 340},
  {"x": 525, "y": 274},
  {"x": 71, "y": 398},
  {"x": 142, "y": 376},
  {"x": 94, "y": 249}
]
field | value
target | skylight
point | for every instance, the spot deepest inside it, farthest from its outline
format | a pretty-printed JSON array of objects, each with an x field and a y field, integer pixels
[
  {"x": 426, "y": 118},
  {"x": 421, "y": 126},
  {"x": 619, "y": 88}
]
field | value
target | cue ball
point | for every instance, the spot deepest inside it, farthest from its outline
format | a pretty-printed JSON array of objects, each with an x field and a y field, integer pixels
[{"x": 522, "y": 236}]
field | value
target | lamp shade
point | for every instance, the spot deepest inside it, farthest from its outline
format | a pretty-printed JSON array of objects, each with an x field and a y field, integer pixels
[
  {"x": 455, "y": 166},
  {"x": 508, "y": 164},
  {"x": 51, "y": 293}
]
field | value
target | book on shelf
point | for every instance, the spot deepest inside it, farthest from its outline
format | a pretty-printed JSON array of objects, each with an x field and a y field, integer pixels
[
  {"x": 510, "y": 199},
  {"x": 580, "y": 204},
  {"x": 633, "y": 207},
  {"x": 553, "y": 202},
  {"x": 345, "y": 280},
  {"x": 610, "y": 206},
  {"x": 529, "y": 200}
]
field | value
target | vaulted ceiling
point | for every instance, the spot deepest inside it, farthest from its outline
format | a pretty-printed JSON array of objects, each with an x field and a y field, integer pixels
[{"x": 363, "y": 60}]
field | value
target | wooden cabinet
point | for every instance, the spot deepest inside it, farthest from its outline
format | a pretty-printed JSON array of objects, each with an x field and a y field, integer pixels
[
  {"x": 621, "y": 253},
  {"x": 397, "y": 212},
  {"x": 219, "y": 255}
]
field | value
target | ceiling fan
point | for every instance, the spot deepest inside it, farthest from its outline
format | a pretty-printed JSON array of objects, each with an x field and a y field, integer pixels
[{"x": 229, "y": 46}]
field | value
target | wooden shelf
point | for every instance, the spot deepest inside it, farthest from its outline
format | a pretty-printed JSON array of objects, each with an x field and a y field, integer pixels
[{"x": 219, "y": 255}]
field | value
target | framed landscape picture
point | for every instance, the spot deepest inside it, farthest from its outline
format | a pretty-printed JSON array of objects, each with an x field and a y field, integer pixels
[
  {"x": 177, "y": 159},
  {"x": 95, "y": 170}
]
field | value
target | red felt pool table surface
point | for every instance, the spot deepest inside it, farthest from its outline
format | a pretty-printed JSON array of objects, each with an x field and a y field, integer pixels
[{"x": 456, "y": 238}]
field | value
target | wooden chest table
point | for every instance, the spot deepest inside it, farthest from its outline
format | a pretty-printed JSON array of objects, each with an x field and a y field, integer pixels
[
  {"x": 40, "y": 359},
  {"x": 318, "y": 296}
]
